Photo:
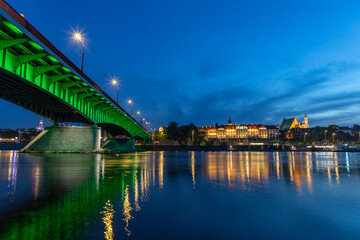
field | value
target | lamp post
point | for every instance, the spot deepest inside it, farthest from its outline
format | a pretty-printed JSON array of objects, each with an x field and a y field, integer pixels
[
  {"x": 80, "y": 38},
  {"x": 325, "y": 134},
  {"x": 333, "y": 137},
  {"x": 115, "y": 83},
  {"x": 192, "y": 137},
  {"x": 132, "y": 107},
  {"x": 147, "y": 125},
  {"x": 139, "y": 114},
  {"x": 305, "y": 137}
]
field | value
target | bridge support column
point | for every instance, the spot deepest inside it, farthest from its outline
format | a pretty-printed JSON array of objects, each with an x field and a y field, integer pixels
[
  {"x": 66, "y": 139},
  {"x": 120, "y": 145}
]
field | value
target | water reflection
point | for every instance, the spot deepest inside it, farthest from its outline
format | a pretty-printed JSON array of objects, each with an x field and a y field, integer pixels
[
  {"x": 108, "y": 220},
  {"x": 71, "y": 189},
  {"x": 254, "y": 168},
  {"x": 126, "y": 210}
]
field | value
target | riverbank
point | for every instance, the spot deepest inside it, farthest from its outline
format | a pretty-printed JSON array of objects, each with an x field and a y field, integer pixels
[
  {"x": 209, "y": 148},
  {"x": 220, "y": 148}
]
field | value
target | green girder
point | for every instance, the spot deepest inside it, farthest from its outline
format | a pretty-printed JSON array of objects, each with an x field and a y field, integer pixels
[
  {"x": 44, "y": 69},
  {"x": 22, "y": 59},
  {"x": 60, "y": 77},
  {"x": 11, "y": 42},
  {"x": 71, "y": 84}
]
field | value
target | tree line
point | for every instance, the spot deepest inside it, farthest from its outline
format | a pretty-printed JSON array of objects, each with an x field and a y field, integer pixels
[{"x": 184, "y": 134}]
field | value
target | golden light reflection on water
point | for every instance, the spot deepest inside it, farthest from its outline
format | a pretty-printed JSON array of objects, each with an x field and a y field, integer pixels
[
  {"x": 252, "y": 168},
  {"x": 136, "y": 193},
  {"x": 237, "y": 168},
  {"x": 126, "y": 210},
  {"x": 161, "y": 170},
  {"x": 192, "y": 165},
  {"x": 108, "y": 220}
]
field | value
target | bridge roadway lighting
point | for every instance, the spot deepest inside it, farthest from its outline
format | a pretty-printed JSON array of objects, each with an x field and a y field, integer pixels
[
  {"x": 138, "y": 113},
  {"x": 115, "y": 83},
  {"x": 132, "y": 107},
  {"x": 147, "y": 125},
  {"x": 80, "y": 38}
]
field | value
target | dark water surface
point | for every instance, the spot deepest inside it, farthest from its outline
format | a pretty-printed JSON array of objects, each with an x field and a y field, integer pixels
[{"x": 180, "y": 195}]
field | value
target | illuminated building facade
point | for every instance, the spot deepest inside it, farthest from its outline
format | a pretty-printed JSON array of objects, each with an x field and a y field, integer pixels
[
  {"x": 290, "y": 123},
  {"x": 232, "y": 131}
]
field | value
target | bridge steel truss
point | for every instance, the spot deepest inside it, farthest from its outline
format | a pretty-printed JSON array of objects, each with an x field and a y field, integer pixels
[{"x": 35, "y": 75}]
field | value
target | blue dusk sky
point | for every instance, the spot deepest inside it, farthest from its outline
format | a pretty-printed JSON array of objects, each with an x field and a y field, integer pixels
[{"x": 201, "y": 61}]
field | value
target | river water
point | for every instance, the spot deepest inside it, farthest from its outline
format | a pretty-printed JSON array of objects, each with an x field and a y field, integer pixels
[{"x": 180, "y": 195}]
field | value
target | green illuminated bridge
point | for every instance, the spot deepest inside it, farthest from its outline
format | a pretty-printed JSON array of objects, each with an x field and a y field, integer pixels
[{"x": 35, "y": 75}]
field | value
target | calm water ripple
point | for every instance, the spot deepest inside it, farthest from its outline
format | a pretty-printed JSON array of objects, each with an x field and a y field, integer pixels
[{"x": 180, "y": 195}]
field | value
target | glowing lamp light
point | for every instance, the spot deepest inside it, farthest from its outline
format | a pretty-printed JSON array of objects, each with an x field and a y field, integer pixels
[
  {"x": 114, "y": 82},
  {"x": 77, "y": 36}
]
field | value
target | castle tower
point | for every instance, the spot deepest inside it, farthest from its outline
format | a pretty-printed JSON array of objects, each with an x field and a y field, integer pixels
[
  {"x": 229, "y": 122},
  {"x": 305, "y": 124}
]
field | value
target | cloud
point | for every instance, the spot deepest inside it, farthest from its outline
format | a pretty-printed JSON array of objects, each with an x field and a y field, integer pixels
[
  {"x": 314, "y": 91},
  {"x": 328, "y": 94}
]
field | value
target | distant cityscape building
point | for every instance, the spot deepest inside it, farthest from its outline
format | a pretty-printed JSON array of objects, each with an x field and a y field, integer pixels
[
  {"x": 232, "y": 131},
  {"x": 291, "y": 123},
  {"x": 41, "y": 126},
  {"x": 161, "y": 129}
]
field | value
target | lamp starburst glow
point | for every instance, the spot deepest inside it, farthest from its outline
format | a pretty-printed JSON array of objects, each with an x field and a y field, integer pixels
[
  {"x": 79, "y": 37},
  {"x": 130, "y": 102},
  {"x": 115, "y": 83}
]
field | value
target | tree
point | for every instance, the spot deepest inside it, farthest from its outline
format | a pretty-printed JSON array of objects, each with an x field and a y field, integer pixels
[{"x": 172, "y": 131}]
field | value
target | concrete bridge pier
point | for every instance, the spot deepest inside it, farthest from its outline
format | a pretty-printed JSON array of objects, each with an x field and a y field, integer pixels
[
  {"x": 66, "y": 139},
  {"x": 77, "y": 139}
]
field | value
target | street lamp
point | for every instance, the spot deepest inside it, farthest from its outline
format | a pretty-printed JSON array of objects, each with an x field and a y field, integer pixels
[
  {"x": 132, "y": 107},
  {"x": 115, "y": 83},
  {"x": 80, "y": 38},
  {"x": 138, "y": 113},
  {"x": 192, "y": 137},
  {"x": 325, "y": 134},
  {"x": 333, "y": 137}
]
